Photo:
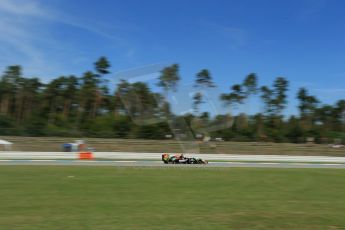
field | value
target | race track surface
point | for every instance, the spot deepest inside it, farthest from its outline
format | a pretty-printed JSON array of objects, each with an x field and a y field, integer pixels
[
  {"x": 133, "y": 156},
  {"x": 143, "y": 163}
]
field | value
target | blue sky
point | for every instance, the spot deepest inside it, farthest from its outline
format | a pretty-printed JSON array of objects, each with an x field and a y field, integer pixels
[{"x": 302, "y": 40}]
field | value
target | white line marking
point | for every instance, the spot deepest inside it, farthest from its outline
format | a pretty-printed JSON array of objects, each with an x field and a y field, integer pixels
[
  {"x": 123, "y": 161},
  {"x": 95, "y": 161},
  {"x": 85, "y": 161},
  {"x": 41, "y": 160}
]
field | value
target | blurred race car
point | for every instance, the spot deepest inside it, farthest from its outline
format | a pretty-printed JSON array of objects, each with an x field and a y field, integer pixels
[{"x": 180, "y": 159}]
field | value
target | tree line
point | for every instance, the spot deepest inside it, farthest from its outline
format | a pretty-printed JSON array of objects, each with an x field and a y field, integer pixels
[{"x": 85, "y": 106}]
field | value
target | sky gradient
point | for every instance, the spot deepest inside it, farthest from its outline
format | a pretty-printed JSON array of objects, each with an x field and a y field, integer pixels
[{"x": 302, "y": 40}]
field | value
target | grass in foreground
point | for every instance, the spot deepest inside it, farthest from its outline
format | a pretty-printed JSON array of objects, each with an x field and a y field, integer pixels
[{"x": 170, "y": 198}]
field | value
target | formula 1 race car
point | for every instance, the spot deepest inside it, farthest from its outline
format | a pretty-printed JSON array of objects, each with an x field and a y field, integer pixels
[{"x": 180, "y": 159}]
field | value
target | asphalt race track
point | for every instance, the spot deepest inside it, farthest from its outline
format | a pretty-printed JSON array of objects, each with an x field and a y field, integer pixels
[
  {"x": 134, "y": 156},
  {"x": 133, "y": 159},
  {"x": 145, "y": 163}
]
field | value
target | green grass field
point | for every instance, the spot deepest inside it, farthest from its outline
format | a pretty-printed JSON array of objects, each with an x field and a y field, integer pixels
[
  {"x": 170, "y": 198},
  {"x": 134, "y": 145}
]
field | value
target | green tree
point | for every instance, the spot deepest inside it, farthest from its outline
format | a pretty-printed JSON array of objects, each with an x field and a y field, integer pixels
[
  {"x": 88, "y": 94},
  {"x": 121, "y": 97},
  {"x": 250, "y": 85},
  {"x": 275, "y": 99},
  {"x": 204, "y": 79},
  {"x": 70, "y": 95},
  {"x": 169, "y": 78},
  {"x": 241, "y": 92},
  {"x": 339, "y": 115},
  {"x": 307, "y": 107},
  {"x": 280, "y": 88},
  {"x": 308, "y": 104},
  {"x": 266, "y": 96},
  {"x": 30, "y": 98},
  {"x": 102, "y": 65},
  {"x": 197, "y": 101},
  {"x": 237, "y": 96},
  {"x": 138, "y": 101},
  {"x": 168, "y": 81},
  {"x": 53, "y": 99},
  {"x": 294, "y": 131},
  {"x": 325, "y": 117},
  {"x": 202, "y": 82},
  {"x": 9, "y": 88}
]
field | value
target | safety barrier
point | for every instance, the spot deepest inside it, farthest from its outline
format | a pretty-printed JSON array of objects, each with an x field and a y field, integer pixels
[{"x": 85, "y": 156}]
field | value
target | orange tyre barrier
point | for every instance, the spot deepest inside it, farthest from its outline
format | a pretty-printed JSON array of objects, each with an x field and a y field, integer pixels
[{"x": 85, "y": 156}]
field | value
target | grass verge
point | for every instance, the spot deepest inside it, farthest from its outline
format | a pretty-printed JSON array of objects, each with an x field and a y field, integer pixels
[
  {"x": 170, "y": 198},
  {"x": 52, "y": 144}
]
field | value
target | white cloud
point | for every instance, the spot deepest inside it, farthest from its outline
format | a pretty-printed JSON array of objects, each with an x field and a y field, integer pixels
[
  {"x": 26, "y": 38},
  {"x": 20, "y": 7},
  {"x": 20, "y": 28}
]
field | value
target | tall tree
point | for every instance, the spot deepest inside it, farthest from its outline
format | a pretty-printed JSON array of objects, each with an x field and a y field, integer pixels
[
  {"x": 137, "y": 100},
  {"x": 70, "y": 94},
  {"x": 204, "y": 79},
  {"x": 29, "y": 98},
  {"x": 280, "y": 88},
  {"x": 235, "y": 97},
  {"x": 120, "y": 97},
  {"x": 88, "y": 94},
  {"x": 9, "y": 83},
  {"x": 169, "y": 78},
  {"x": 102, "y": 65},
  {"x": 168, "y": 81},
  {"x": 275, "y": 99},
  {"x": 202, "y": 82},
  {"x": 340, "y": 115},
  {"x": 241, "y": 92},
  {"x": 307, "y": 104},
  {"x": 197, "y": 101},
  {"x": 250, "y": 85},
  {"x": 52, "y": 99},
  {"x": 325, "y": 117},
  {"x": 266, "y": 96}
]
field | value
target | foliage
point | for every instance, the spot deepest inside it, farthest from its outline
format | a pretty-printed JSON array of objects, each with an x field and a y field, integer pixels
[
  {"x": 84, "y": 106},
  {"x": 169, "y": 78}
]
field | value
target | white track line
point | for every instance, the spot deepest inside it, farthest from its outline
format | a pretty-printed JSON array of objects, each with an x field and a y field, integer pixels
[{"x": 41, "y": 160}]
